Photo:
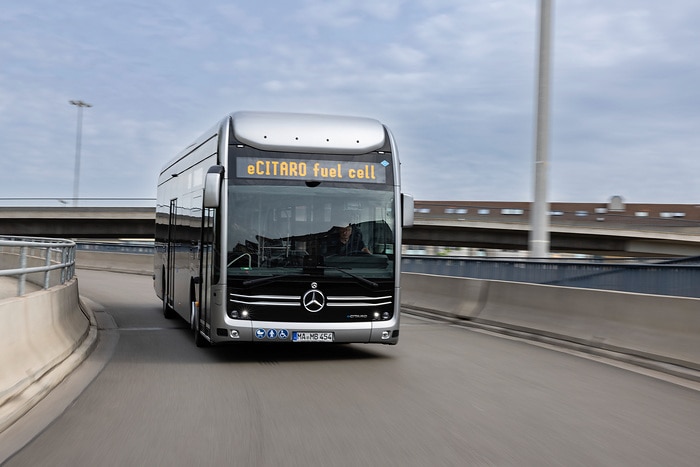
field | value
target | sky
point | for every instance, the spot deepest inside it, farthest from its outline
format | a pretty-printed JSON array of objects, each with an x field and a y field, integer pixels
[{"x": 454, "y": 80}]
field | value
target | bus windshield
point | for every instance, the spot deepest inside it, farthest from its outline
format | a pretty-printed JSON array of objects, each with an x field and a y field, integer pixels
[{"x": 287, "y": 230}]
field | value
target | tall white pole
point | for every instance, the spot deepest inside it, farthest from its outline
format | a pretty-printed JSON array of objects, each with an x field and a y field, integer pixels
[
  {"x": 539, "y": 233},
  {"x": 78, "y": 141}
]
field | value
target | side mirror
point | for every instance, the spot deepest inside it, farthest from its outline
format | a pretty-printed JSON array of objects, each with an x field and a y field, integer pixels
[
  {"x": 212, "y": 186},
  {"x": 407, "y": 209}
]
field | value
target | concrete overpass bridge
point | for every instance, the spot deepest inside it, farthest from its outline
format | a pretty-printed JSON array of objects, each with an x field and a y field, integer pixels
[{"x": 630, "y": 230}]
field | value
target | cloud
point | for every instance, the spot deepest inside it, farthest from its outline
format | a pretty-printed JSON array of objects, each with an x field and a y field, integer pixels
[
  {"x": 454, "y": 81},
  {"x": 348, "y": 13}
]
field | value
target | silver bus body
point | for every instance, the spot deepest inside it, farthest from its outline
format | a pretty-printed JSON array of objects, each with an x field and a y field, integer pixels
[{"x": 246, "y": 214}]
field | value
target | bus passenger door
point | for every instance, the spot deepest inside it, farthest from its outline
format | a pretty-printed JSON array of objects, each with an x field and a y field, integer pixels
[
  {"x": 169, "y": 276},
  {"x": 206, "y": 268}
]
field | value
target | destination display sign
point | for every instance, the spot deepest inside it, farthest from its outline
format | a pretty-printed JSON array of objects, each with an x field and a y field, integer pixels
[{"x": 311, "y": 170}]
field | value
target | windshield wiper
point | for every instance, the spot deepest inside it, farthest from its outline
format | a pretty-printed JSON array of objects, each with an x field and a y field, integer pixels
[
  {"x": 368, "y": 282},
  {"x": 268, "y": 279}
]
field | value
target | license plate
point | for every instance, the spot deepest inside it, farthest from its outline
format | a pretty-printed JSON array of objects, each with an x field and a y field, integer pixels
[{"x": 312, "y": 336}]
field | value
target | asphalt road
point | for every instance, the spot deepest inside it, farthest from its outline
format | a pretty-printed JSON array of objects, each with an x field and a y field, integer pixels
[{"x": 444, "y": 396}]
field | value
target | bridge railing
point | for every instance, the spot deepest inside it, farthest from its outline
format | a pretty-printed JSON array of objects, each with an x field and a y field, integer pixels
[
  {"x": 56, "y": 202},
  {"x": 44, "y": 262},
  {"x": 677, "y": 277}
]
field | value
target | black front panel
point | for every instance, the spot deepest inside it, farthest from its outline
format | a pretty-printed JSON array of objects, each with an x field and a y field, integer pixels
[
  {"x": 308, "y": 299},
  {"x": 311, "y": 237}
]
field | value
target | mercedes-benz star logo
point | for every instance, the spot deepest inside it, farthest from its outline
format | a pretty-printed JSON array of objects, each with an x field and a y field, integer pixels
[{"x": 313, "y": 300}]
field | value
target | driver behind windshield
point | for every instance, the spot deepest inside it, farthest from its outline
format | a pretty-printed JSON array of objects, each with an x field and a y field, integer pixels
[{"x": 345, "y": 241}]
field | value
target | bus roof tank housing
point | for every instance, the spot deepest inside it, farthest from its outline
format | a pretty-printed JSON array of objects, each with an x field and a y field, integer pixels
[{"x": 296, "y": 132}]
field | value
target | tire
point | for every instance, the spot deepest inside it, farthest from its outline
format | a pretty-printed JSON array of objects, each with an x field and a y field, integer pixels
[
  {"x": 168, "y": 311},
  {"x": 199, "y": 339}
]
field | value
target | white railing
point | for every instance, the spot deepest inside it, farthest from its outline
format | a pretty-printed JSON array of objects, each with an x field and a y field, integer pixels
[{"x": 43, "y": 261}]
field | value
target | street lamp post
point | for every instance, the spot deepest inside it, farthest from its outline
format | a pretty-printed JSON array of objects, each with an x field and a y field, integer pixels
[
  {"x": 539, "y": 234},
  {"x": 78, "y": 140}
]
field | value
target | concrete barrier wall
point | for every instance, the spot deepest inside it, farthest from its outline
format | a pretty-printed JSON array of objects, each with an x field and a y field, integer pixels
[
  {"x": 454, "y": 297},
  {"x": 663, "y": 328},
  {"x": 37, "y": 332}
]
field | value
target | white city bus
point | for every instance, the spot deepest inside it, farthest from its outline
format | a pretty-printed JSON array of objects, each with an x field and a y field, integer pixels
[{"x": 275, "y": 227}]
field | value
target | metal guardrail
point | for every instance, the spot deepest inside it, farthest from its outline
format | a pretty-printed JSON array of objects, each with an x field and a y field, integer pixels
[
  {"x": 129, "y": 247},
  {"x": 37, "y": 256},
  {"x": 83, "y": 202},
  {"x": 677, "y": 277}
]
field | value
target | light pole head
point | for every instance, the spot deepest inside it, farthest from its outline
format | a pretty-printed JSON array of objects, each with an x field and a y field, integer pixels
[{"x": 80, "y": 103}]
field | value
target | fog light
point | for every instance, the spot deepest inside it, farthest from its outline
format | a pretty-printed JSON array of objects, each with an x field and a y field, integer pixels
[
  {"x": 386, "y": 334},
  {"x": 233, "y": 314},
  {"x": 385, "y": 315},
  {"x": 234, "y": 334}
]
